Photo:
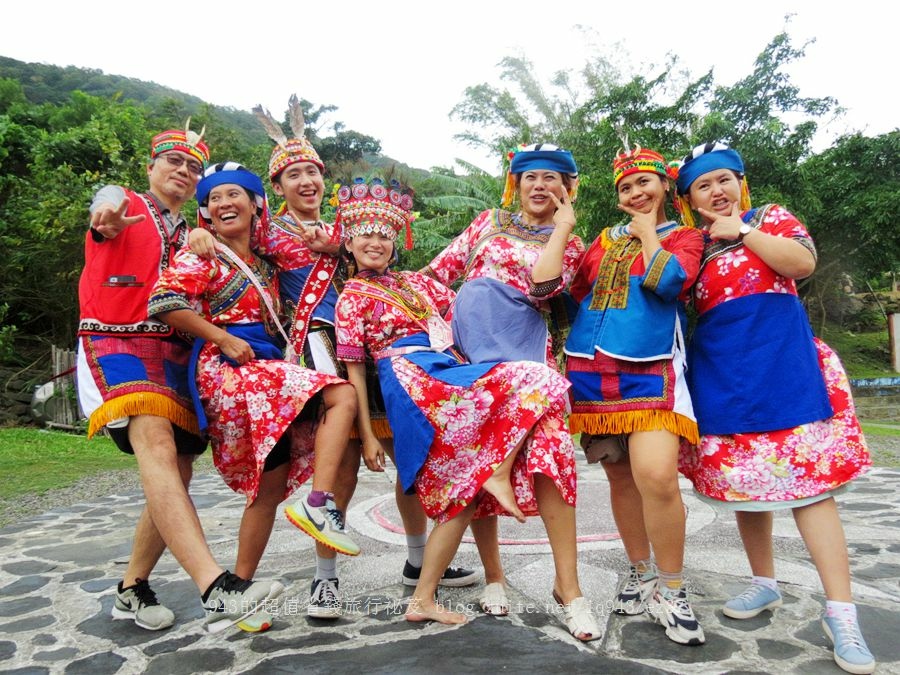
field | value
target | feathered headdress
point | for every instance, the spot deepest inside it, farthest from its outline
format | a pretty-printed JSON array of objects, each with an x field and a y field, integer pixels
[{"x": 288, "y": 151}]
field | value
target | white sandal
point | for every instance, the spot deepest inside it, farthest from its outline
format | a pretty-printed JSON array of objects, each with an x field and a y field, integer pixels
[
  {"x": 579, "y": 619},
  {"x": 493, "y": 600}
]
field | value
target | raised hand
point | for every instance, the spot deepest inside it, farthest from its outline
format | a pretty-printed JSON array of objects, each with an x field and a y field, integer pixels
[
  {"x": 722, "y": 226},
  {"x": 565, "y": 213},
  {"x": 642, "y": 224},
  {"x": 110, "y": 220}
]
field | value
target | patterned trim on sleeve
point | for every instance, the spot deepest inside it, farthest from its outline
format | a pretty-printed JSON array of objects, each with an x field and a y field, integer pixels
[
  {"x": 428, "y": 272},
  {"x": 808, "y": 244},
  {"x": 167, "y": 302},
  {"x": 543, "y": 288},
  {"x": 351, "y": 353},
  {"x": 655, "y": 271}
]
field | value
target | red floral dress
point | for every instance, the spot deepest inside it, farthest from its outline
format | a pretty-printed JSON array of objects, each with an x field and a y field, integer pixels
[
  {"x": 474, "y": 425},
  {"x": 772, "y": 468},
  {"x": 248, "y": 407}
]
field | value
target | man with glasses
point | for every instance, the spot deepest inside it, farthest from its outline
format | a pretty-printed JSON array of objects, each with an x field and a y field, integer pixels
[{"x": 132, "y": 375}]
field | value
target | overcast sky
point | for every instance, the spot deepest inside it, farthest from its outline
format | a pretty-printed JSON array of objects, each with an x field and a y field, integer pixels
[{"x": 396, "y": 69}]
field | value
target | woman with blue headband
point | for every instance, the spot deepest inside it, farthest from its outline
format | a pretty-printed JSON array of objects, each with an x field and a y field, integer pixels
[
  {"x": 506, "y": 310},
  {"x": 773, "y": 404},
  {"x": 265, "y": 416}
]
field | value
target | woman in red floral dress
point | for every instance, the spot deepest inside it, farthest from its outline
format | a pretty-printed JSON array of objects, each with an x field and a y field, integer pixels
[
  {"x": 272, "y": 423},
  {"x": 458, "y": 427},
  {"x": 777, "y": 424}
]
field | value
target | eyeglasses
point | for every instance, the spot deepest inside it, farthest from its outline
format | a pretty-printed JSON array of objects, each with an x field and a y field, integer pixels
[{"x": 176, "y": 162}]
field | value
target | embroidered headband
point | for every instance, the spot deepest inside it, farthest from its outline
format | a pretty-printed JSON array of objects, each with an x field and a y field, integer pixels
[
  {"x": 637, "y": 160},
  {"x": 288, "y": 151},
  {"x": 534, "y": 157},
  {"x": 187, "y": 141},
  {"x": 374, "y": 208}
]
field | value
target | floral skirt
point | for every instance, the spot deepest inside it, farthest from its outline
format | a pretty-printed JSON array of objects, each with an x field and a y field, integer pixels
[
  {"x": 249, "y": 408},
  {"x": 477, "y": 426},
  {"x": 776, "y": 468}
]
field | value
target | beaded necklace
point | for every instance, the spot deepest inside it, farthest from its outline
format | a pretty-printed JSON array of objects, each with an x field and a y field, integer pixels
[{"x": 404, "y": 296}]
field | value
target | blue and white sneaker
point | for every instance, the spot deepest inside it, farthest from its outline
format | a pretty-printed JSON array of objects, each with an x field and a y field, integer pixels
[
  {"x": 672, "y": 610},
  {"x": 850, "y": 650},
  {"x": 634, "y": 592},
  {"x": 754, "y": 600}
]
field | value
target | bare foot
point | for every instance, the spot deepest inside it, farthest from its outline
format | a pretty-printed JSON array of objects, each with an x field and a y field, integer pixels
[
  {"x": 501, "y": 488},
  {"x": 419, "y": 610}
]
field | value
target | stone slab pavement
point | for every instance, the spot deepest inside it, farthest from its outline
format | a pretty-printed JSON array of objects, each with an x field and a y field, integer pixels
[{"x": 58, "y": 573}]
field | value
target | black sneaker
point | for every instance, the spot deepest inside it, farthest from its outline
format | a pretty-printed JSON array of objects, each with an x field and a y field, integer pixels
[
  {"x": 454, "y": 577},
  {"x": 324, "y": 599},
  {"x": 231, "y": 599}
]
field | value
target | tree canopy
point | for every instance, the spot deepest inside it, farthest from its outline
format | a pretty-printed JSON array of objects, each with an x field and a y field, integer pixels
[{"x": 66, "y": 131}]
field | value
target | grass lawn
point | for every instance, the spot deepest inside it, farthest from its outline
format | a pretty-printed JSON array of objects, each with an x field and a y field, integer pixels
[
  {"x": 864, "y": 355},
  {"x": 33, "y": 461}
]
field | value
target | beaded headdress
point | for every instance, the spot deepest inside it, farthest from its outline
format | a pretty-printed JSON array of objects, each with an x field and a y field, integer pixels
[
  {"x": 639, "y": 159},
  {"x": 186, "y": 141},
  {"x": 538, "y": 156},
  {"x": 288, "y": 151},
  {"x": 374, "y": 207},
  {"x": 703, "y": 159}
]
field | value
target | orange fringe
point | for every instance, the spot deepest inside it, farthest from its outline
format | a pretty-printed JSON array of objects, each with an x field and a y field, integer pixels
[
  {"x": 634, "y": 420},
  {"x": 381, "y": 428},
  {"x": 143, "y": 403}
]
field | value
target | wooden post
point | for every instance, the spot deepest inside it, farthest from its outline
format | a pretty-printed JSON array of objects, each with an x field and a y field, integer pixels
[{"x": 894, "y": 339}]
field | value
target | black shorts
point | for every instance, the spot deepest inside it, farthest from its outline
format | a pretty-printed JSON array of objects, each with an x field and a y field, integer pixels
[{"x": 185, "y": 442}]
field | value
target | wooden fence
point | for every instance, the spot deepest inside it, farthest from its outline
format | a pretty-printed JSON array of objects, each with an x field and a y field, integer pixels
[{"x": 54, "y": 403}]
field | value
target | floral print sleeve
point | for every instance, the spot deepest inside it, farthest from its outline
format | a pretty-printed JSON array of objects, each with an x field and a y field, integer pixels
[
  {"x": 350, "y": 325},
  {"x": 441, "y": 297},
  {"x": 183, "y": 285},
  {"x": 782, "y": 223},
  {"x": 450, "y": 264},
  {"x": 285, "y": 249}
]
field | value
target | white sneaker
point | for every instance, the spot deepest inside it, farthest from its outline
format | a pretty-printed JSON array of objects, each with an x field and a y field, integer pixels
[
  {"x": 634, "y": 592},
  {"x": 673, "y": 611}
]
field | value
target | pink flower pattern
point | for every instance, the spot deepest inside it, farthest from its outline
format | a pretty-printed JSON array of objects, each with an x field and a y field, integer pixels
[
  {"x": 476, "y": 427},
  {"x": 787, "y": 464},
  {"x": 248, "y": 407}
]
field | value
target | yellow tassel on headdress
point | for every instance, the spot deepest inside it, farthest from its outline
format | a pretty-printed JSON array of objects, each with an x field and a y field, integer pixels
[
  {"x": 509, "y": 190},
  {"x": 745, "y": 195},
  {"x": 683, "y": 206}
]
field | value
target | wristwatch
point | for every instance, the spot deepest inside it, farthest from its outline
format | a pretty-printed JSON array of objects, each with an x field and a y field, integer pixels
[{"x": 744, "y": 231}]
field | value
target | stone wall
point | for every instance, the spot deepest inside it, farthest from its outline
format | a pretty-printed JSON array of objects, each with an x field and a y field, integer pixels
[{"x": 877, "y": 398}]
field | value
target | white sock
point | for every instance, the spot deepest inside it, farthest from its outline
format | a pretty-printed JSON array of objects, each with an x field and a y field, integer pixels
[
  {"x": 765, "y": 582},
  {"x": 326, "y": 568},
  {"x": 415, "y": 548},
  {"x": 840, "y": 610}
]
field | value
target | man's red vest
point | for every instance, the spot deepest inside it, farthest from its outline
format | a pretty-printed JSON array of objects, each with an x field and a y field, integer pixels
[{"x": 120, "y": 273}]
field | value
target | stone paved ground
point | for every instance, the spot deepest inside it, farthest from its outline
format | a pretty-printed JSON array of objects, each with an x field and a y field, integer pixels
[{"x": 58, "y": 572}]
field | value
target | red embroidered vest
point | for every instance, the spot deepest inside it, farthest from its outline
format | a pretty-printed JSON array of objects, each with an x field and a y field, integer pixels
[{"x": 120, "y": 273}]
